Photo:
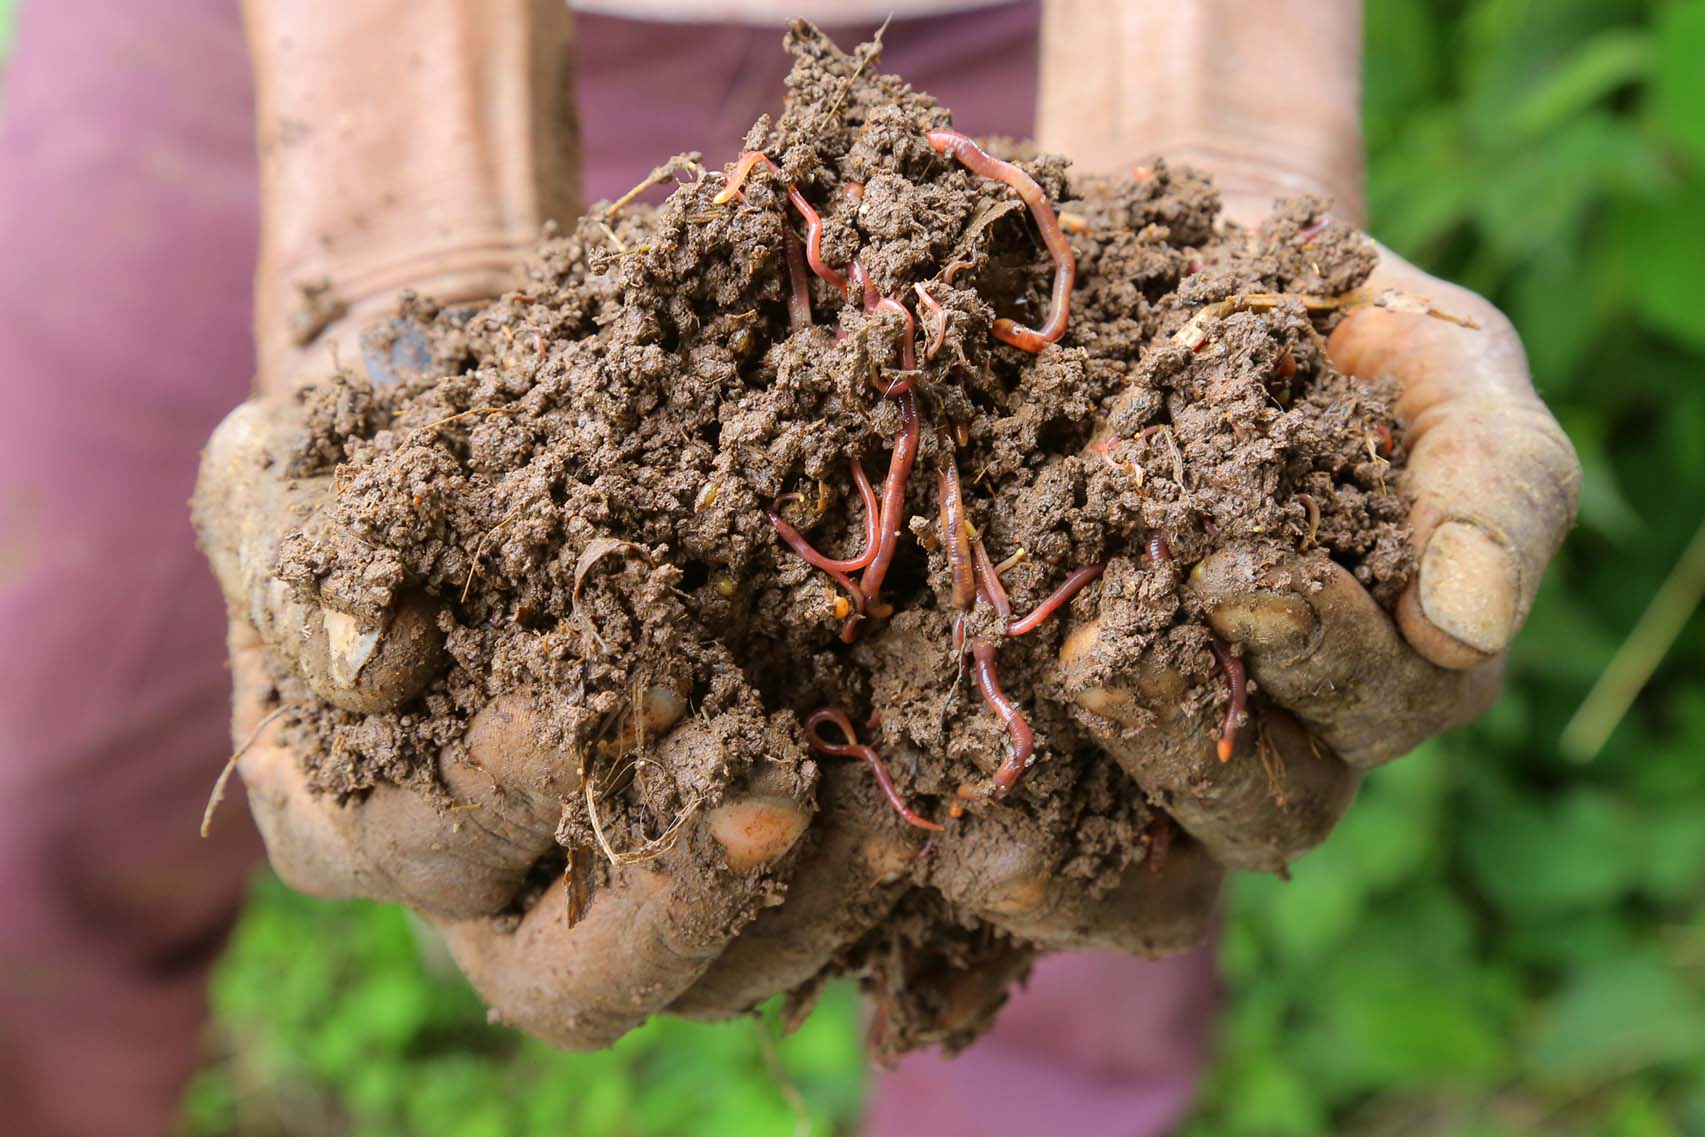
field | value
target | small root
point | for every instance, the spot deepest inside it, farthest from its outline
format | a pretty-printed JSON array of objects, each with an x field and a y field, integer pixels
[
  {"x": 217, "y": 796},
  {"x": 479, "y": 551},
  {"x": 688, "y": 162},
  {"x": 508, "y": 410},
  {"x": 653, "y": 848},
  {"x": 1194, "y": 336}
]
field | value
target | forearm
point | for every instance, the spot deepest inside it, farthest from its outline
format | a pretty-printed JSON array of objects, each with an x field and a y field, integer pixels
[
  {"x": 1266, "y": 97},
  {"x": 402, "y": 145}
]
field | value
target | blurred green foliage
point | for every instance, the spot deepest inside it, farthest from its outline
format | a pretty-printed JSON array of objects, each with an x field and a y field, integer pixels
[
  {"x": 351, "y": 1019},
  {"x": 1495, "y": 942}
]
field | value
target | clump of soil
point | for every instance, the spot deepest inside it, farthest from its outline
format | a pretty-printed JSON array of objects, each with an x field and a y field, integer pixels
[{"x": 581, "y": 471}]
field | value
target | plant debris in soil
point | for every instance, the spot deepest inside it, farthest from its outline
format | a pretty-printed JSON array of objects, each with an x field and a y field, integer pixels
[{"x": 816, "y": 439}]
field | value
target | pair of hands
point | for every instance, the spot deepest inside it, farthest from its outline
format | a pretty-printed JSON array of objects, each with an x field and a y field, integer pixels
[{"x": 1493, "y": 479}]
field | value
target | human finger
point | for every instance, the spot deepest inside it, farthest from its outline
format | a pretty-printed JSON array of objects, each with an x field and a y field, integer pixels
[
  {"x": 852, "y": 867},
  {"x": 1320, "y": 646},
  {"x": 1276, "y": 796},
  {"x": 245, "y": 504},
  {"x": 644, "y": 938},
  {"x": 1494, "y": 479}
]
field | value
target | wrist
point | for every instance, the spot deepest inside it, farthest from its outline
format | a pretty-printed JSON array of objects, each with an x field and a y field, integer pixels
[
  {"x": 401, "y": 147},
  {"x": 1266, "y": 98}
]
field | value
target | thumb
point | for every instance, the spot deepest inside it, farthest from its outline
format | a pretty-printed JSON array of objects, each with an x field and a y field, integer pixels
[
  {"x": 244, "y": 505},
  {"x": 1494, "y": 479}
]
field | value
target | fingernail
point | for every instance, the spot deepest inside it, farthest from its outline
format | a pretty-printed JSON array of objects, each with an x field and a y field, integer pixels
[
  {"x": 1468, "y": 586},
  {"x": 755, "y": 832},
  {"x": 349, "y": 646},
  {"x": 1279, "y": 625}
]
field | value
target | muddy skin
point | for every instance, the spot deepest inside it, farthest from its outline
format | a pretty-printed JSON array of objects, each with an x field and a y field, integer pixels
[{"x": 578, "y": 473}]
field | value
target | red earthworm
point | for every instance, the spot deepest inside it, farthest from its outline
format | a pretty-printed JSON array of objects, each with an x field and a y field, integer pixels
[
  {"x": 979, "y": 161},
  {"x": 989, "y": 585},
  {"x": 908, "y": 351},
  {"x": 1149, "y": 432},
  {"x": 956, "y": 535},
  {"x": 1234, "y": 677},
  {"x": 857, "y": 278},
  {"x": 855, "y": 190},
  {"x": 1386, "y": 443},
  {"x": 814, "y": 241},
  {"x": 893, "y": 504},
  {"x": 852, "y": 748},
  {"x": 799, "y": 297},
  {"x": 798, "y": 544},
  {"x": 873, "y": 301},
  {"x": 801, "y": 547},
  {"x": 1061, "y": 596},
  {"x": 737, "y": 178},
  {"x": 956, "y": 268},
  {"x": 939, "y": 336},
  {"x": 1159, "y": 552},
  {"x": 1023, "y": 738}
]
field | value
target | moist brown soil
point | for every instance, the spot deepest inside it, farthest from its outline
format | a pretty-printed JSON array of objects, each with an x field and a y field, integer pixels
[{"x": 580, "y": 472}]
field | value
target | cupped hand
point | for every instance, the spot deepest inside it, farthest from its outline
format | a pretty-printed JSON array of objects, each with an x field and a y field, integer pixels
[{"x": 1343, "y": 685}]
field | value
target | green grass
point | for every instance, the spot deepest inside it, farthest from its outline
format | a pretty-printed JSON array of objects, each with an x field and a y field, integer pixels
[{"x": 1497, "y": 941}]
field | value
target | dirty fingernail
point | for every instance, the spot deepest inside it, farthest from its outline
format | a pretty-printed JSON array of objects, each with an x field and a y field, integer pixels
[
  {"x": 757, "y": 831},
  {"x": 1469, "y": 584},
  {"x": 1279, "y": 625},
  {"x": 349, "y": 645}
]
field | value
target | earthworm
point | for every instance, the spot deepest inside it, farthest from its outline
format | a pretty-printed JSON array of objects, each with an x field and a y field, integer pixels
[
  {"x": 814, "y": 241},
  {"x": 1061, "y": 596},
  {"x": 873, "y": 302},
  {"x": 1234, "y": 677},
  {"x": 956, "y": 268},
  {"x": 797, "y": 542},
  {"x": 852, "y": 748},
  {"x": 737, "y": 178},
  {"x": 799, "y": 545},
  {"x": 979, "y": 161},
  {"x": 799, "y": 297},
  {"x": 1159, "y": 552},
  {"x": 1023, "y": 738},
  {"x": 1313, "y": 510},
  {"x": 939, "y": 336},
  {"x": 989, "y": 584},
  {"x": 893, "y": 503},
  {"x": 956, "y": 534}
]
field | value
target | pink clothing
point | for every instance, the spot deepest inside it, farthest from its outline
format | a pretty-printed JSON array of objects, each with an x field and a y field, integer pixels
[{"x": 127, "y": 230}]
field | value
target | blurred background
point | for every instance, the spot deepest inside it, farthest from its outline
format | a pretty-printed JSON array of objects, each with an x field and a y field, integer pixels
[{"x": 1505, "y": 937}]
